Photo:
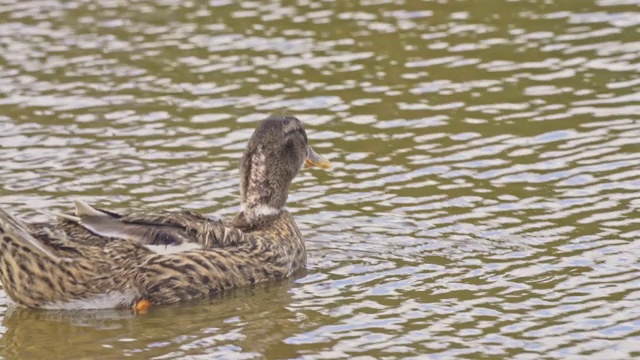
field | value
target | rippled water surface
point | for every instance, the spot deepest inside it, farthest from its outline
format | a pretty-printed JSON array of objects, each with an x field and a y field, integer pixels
[{"x": 485, "y": 195}]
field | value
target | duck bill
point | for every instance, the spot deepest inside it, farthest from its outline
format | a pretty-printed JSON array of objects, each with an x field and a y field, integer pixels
[{"x": 316, "y": 160}]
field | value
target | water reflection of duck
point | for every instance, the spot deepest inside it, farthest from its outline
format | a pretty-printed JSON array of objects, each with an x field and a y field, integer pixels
[
  {"x": 239, "y": 323},
  {"x": 99, "y": 259}
]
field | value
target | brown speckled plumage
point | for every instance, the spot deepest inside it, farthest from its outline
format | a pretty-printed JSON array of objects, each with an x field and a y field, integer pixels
[{"x": 104, "y": 259}]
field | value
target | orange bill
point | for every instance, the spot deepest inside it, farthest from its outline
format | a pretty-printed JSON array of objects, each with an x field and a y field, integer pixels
[{"x": 316, "y": 160}]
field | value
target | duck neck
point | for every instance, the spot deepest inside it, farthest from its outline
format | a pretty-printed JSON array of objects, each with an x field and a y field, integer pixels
[
  {"x": 259, "y": 212},
  {"x": 264, "y": 190}
]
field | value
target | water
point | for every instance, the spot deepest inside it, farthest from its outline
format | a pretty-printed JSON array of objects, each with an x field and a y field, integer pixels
[{"x": 484, "y": 200}]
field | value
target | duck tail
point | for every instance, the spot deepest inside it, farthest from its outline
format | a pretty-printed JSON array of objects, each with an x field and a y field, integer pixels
[{"x": 15, "y": 232}]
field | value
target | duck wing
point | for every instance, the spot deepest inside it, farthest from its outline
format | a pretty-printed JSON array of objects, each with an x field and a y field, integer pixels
[{"x": 162, "y": 228}]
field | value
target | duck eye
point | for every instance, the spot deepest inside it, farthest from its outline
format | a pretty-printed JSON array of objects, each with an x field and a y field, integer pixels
[
  {"x": 292, "y": 150},
  {"x": 289, "y": 146}
]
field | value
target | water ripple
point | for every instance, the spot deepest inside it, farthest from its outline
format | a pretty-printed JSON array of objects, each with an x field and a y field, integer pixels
[{"x": 483, "y": 203}]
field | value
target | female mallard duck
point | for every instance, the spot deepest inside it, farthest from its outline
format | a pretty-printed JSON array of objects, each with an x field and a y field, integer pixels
[{"x": 99, "y": 259}]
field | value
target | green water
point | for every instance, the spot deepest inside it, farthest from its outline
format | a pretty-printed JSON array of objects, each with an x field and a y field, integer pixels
[{"x": 485, "y": 195}]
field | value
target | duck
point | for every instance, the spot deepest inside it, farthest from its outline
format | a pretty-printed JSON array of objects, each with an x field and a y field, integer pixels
[{"x": 98, "y": 259}]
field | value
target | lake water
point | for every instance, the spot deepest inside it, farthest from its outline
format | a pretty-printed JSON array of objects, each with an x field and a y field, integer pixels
[{"x": 485, "y": 195}]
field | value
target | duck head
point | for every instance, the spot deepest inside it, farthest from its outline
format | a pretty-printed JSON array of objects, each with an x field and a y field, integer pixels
[{"x": 275, "y": 153}]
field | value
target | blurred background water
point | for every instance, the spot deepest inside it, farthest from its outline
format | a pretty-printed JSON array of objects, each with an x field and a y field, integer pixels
[{"x": 485, "y": 195}]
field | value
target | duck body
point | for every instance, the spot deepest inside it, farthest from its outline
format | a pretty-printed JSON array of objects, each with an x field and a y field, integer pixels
[
  {"x": 74, "y": 272},
  {"x": 99, "y": 259}
]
